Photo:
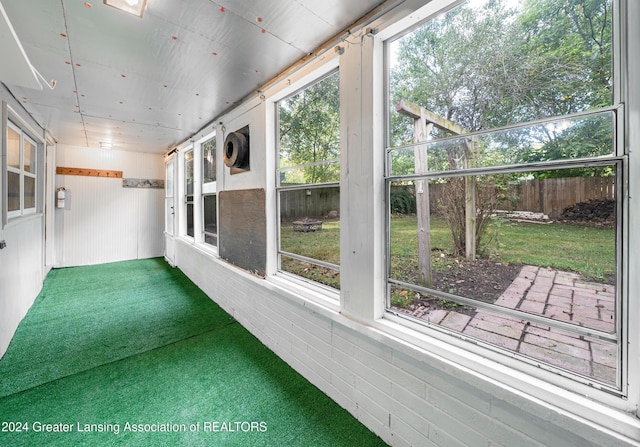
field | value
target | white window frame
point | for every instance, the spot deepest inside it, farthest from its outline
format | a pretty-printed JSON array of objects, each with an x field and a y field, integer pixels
[
  {"x": 182, "y": 193},
  {"x": 299, "y": 288},
  {"x": 20, "y": 171},
  {"x": 207, "y": 189},
  {"x": 316, "y": 288},
  {"x": 557, "y": 389}
]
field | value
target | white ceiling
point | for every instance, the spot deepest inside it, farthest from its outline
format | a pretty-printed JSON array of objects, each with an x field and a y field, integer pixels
[{"x": 148, "y": 84}]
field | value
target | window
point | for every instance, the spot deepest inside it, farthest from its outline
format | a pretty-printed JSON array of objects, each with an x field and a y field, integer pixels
[
  {"x": 189, "y": 191},
  {"x": 309, "y": 182},
  {"x": 504, "y": 181},
  {"x": 209, "y": 198},
  {"x": 21, "y": 172}
]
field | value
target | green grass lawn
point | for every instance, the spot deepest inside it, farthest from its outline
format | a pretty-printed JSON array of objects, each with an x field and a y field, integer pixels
[
  {"x": 589, "y": 251},
  {"x": 323, "y": 245}
]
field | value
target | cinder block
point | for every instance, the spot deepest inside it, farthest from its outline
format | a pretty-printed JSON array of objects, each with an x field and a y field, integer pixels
[
  {"x": 373, "y": 403},
  {"x": 407, "y": 399},
  {"x": 409, "y": 436}
]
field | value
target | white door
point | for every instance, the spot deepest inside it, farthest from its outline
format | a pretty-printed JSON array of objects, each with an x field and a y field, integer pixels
[{"x": 169, "y": 211}]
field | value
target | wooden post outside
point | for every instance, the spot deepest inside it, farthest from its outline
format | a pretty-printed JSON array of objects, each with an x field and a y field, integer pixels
[
  {"x": 470, "y": 205},
  {"x": 421, "y": 129},
  {"x": 424, "y": 120},
  {"x": 423, "y": 209}
]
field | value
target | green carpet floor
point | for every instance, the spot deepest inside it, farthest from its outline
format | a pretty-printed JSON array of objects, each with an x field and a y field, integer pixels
[{"x": 133, "y": 353}]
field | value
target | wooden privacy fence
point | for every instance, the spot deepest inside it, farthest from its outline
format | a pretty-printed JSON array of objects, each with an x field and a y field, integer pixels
[
  {"x": 312, "y": 202},
  {"x": 549, "y": 196},
  {"x": 552, "y": 196}
]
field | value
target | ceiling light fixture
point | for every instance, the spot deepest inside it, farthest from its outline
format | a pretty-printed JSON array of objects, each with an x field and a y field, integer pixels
[
  {"x": 135, "y": 7},
  {"x": 105, "y": 145}
]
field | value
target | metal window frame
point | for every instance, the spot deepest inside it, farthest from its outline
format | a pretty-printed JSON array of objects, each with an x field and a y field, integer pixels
[{"x": 618, "y": 158}]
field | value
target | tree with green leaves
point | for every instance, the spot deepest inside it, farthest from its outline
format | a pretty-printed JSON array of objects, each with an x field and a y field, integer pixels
[
  {"x": 486, "y": 65},
  {"x": 309, "y": 123}
]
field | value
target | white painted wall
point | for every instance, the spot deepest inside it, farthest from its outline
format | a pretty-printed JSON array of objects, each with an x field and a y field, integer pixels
[
  {"x": 255, "y": 177},
  {"x": 22, "y": 261},
  {"x": 102, "y": 221},
  {"x": 21, "y": 273}
]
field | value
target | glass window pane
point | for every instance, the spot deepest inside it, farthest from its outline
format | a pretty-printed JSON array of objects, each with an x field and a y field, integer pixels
[
  {"x": 309, "y": 151},
  {"x": 317, "y": 273},
  {"x": 318, "y": 173},
  {"x": 310, "y": 126},
  {"x": 13, "y": 148},
  {"x": 188, "y": 172},
  {"x": 562, "y": 139},
  {"x": 29, "y": 156},
  {"x": 545, "y": 244},
  {"x": 210, "y": 215},
  {"x": 209, "y": 161},
  {"x": 29, "y": 192},
  {"x": 13, "y": 191},
  {"x": 169, "y": 177},
  {"x": 514, "y": 63},
  {"x": 310, "y": 227},
  {"x": 587, "y": 356},
  {"x": 189, "y": 213}
]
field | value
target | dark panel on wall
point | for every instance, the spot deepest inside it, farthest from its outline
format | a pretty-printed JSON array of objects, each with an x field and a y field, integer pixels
[{"x": 242, "y": 229}]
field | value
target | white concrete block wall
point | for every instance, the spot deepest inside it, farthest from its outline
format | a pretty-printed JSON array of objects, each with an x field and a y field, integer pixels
[{"x": 405, "y": 395}]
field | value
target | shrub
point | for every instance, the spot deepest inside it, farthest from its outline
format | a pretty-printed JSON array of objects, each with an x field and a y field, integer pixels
[{"x": 402, "y": 201}]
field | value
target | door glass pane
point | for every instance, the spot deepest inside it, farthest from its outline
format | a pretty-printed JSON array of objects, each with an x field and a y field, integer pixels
[
  {"x": 29, "y": 192},
  {"x": 29, "y": 156},
  {"x": 13, "y": 148},
  {"x": 169, "y": 182},
  {"x": 13, "y": 191}
]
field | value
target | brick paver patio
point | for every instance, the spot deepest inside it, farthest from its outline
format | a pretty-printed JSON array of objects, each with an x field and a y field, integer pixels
[{"x": 555, "y": 294}]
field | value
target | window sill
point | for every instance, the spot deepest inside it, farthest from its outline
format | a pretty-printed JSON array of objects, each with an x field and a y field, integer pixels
[
  {"x": 209, "y": 250},
  {"x": 306, "y": 292}
]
